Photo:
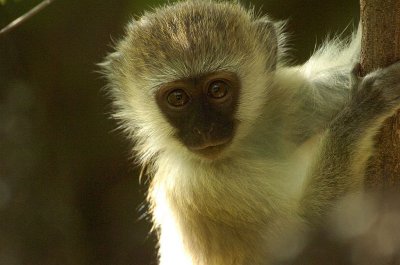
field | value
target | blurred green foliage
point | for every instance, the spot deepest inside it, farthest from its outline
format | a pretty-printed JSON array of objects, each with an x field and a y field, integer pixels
[
  {"x": 2, "y": 2},
  {"x": 69, "y": 195}
]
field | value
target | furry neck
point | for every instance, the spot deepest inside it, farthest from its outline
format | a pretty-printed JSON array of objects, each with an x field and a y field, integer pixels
[{"x": 240, "y": 190}]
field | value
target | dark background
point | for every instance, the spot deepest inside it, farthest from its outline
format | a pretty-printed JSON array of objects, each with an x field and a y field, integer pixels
[{"x": 69, "y": 194}]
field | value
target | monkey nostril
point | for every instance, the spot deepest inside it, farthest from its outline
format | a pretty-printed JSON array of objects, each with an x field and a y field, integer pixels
[
  {"x": 197, "y": 131},
  {"x": 211, "y": 128},
  {"x": 205, "y": 132}
]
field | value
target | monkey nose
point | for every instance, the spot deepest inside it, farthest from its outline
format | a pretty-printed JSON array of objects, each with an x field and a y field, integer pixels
[{"x": 204, "y": 132}]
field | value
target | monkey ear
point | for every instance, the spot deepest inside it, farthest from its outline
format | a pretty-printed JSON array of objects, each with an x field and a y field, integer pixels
[{"x": 267, "y": 34}]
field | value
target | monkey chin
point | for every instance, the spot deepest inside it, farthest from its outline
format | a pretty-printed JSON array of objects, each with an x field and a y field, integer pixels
[{"x": 211, "y": 151}]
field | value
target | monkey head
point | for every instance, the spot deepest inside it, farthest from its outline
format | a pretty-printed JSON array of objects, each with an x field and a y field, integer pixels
[{"x": 192, "y": 77}]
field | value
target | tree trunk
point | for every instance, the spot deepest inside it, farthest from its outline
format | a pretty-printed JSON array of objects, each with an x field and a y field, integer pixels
[{"x": 380, "y": 21}]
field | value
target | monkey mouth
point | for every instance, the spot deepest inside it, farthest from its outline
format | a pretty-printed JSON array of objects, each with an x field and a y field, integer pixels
[{"x": 212, "y": 149}]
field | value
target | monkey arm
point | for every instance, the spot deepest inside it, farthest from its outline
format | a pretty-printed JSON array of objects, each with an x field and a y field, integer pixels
[
  {"x": 322, "y": 85},
  {"x": 314, "y": 101},
  {"x": 347, "y": 143}
]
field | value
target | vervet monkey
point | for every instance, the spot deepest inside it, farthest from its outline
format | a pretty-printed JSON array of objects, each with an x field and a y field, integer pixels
[{"x": 245, "y": 153}]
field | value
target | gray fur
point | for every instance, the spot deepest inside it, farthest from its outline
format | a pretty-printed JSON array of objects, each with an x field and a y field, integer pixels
[{"x": 304, "y": 136}]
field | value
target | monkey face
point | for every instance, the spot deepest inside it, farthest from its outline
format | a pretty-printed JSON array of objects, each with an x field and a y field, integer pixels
[
  {"x": 202, "y": 109},
  {"x": 178, "y": 71}
]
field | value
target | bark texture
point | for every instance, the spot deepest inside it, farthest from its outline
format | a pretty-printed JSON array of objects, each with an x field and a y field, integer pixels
[{"x": 380, "y": 21}]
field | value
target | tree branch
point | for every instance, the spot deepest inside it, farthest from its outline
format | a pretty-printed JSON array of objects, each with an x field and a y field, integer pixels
[
  {"x": 380, "y": 21},
  {"x": 25, "y": 17}
]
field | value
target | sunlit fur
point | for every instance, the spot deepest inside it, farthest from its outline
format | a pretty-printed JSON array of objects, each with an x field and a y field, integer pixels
[{"x": 249, "y": 205}]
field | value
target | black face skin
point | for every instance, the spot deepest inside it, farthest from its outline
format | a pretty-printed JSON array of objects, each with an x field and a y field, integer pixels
[{"x": 202, "y": 110}]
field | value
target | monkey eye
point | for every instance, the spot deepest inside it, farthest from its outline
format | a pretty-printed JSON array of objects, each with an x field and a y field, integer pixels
[
  {"x": 218, "y": 89},
  {"x": 177, "y": 98}
]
